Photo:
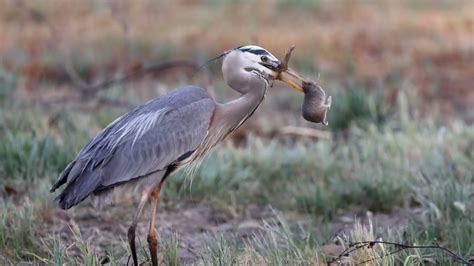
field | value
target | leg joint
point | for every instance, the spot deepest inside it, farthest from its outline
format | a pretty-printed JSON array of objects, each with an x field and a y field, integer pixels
[
  {"x": 155, "y": 192},
  {"x": 152, "y": 240},
  {"x": 131, "y": 232}
]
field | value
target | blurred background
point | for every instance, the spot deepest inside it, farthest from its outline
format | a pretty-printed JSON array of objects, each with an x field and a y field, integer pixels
[{"x": 394, "y": 163}]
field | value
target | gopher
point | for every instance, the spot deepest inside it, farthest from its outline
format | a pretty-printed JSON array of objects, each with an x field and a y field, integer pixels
[{"x": 315, "y": 106}]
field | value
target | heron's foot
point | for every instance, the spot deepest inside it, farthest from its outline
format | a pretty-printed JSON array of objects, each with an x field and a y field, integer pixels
[
  {"x": 153, "y": 246},
  {"x": 131, "y": 242}
]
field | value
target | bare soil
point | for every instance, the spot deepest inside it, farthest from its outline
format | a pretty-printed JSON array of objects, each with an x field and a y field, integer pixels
[{"x": 193, "y": 223}]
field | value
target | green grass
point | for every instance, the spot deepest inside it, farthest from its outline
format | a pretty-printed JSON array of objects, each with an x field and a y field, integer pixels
[
  {"x": 16, "y": 231},
  {"x": 378, "y": 170},
  {"x": 171, "y": 251},
  {"x": 7, "y": 84},
  {"x": 381, "y": 165},
  {"x": 424, "y": 168},
  {"x": 358, "y": 106},
  {"x": 379, "y": 159},
  {"x": 27, "y": 155}
]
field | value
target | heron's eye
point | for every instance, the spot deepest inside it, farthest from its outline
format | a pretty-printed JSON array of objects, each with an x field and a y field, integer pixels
[{"x": 264, "y": 58}]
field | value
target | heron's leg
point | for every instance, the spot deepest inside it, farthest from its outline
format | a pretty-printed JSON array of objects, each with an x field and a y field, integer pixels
[
  {"x": 133, "y": 226},
  {"x": 152, "y": 242}
]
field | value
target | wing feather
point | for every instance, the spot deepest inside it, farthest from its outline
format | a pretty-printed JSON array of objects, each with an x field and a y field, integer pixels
[{"x": 141, "y": 142}]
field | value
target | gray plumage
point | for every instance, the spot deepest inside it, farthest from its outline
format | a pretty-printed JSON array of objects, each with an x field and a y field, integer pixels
[
  {"x": 148, "y": 139},
  {"x": 168, "y": 133}
]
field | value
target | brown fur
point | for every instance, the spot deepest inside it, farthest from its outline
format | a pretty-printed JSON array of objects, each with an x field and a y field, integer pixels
[{"x": 315, "y": 105}]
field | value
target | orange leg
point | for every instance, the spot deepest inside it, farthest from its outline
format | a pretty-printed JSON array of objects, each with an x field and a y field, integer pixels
[
  {"x": 133, "y": 226},
  {"x": 152, "y": 242}
]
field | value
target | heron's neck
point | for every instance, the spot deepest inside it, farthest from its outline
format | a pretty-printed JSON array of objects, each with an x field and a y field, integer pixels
[{"x": 231, "y": 115}]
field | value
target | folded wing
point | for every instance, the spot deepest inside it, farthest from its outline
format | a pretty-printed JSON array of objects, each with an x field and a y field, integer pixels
[{"x": 146, "y": 140}]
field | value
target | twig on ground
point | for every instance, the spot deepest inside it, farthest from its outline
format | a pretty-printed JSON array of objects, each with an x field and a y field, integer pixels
[
  {"x": 306, "y": 132},
  {"x": 369, "y": 244},
  {"x": 86, "y": 88},
  {"x": 92, "y": 89}
]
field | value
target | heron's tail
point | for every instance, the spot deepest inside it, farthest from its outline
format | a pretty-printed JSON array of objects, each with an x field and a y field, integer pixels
[
  {"x": 77, "y": 190},
  {"x": 62, "y": 179}
]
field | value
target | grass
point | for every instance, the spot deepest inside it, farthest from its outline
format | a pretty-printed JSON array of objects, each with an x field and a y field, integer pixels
[
  {"x": 16, "y": 231},
  {"x": 358, "y": 106},
  {"x": 381, "y": 169},
  {"x": 27, "y": 155},
  {"x": 385, "y": 157},
  {"x": 171, "y": 251},
  {"x": 398, "y": 37}
]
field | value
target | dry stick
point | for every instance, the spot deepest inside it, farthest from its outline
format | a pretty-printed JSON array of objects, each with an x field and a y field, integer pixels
[
  {"x": 384, "y": 255},
  {"x": 152, "y": 68},
  {"x": 358, "y": 245},
  {"x": 87, "y": 89},
  {"x": 306, "y": 132},
  {"x": 284, "y": 65},
  {"x": 402, "y": 247},
  {"x": 55, "y": 42}
]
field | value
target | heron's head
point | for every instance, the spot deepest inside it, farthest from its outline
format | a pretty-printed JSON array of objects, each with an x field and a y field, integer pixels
[{"x": 252, "y": 59}]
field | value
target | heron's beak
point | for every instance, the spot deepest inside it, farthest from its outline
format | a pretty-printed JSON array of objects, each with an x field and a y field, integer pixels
[
  {"x": 272, "y": 65},
  {"x": 291, "y": 82},
  {"x": 276, "y": 66}
]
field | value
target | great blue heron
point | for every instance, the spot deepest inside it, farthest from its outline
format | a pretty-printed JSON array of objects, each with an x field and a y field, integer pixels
[{"x": 144, "y": 146}]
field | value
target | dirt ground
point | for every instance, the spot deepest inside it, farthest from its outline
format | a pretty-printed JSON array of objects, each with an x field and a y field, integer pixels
[{"x": 193, "y": 223}]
